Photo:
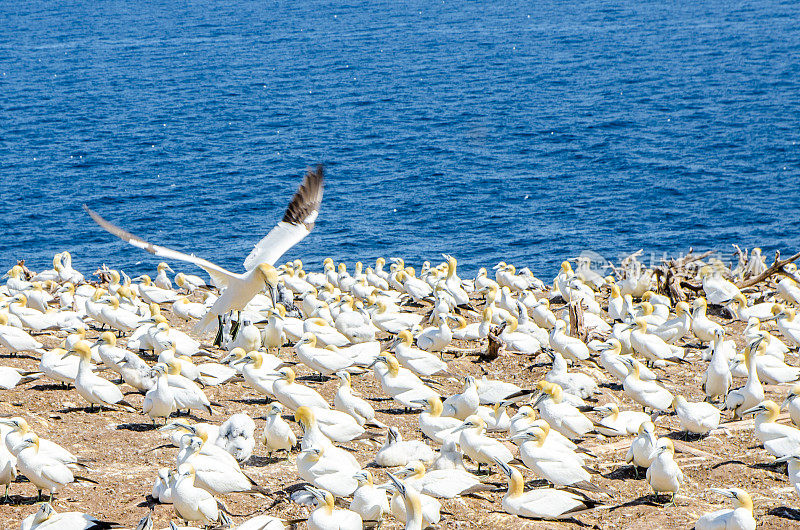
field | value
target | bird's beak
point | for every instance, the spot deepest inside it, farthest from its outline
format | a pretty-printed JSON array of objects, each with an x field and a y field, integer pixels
[
  {"x": 757, "y": 408},
  {"x": 170, "y": 269},
  {"x": 315, "y": 492},
  {"x": 788, "y": 400},
  {"x": 604, "y": 346},
  {"x": 723, "y": 491},
  {"x": 393, "y": 343},
  {"x": 505, "y": 467},
  {"x": 397, "y": 484},
  {"x": 626, "y": 361},
  {"x": 178, "y": 425},
  {"x": 226, "y": 359},
  {"x": 403, "y": 473},
  {"x": 542, "y": 397}
]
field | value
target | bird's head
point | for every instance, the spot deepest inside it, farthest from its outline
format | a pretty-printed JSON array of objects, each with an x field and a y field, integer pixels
[
  {"x": 741, "y": 499},
  {"x": 45, "y": 512},
  {"x": 304, "y": 416},
  {"x": 665, "y": 445},
  {"x": 17, "y": 423},
  {"x": 363, "y": 477},
  {"x": 83, "y": 349}
]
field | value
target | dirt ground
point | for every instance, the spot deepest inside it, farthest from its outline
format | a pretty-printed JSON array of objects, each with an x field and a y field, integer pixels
[{"x": 119, "y": 447}]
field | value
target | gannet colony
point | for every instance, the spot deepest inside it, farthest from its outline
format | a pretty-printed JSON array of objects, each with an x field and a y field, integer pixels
[{"x": 398, "y": 397}]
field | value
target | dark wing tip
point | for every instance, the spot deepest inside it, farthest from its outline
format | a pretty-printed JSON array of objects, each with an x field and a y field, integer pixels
[
  {"x": 94, "y": 215},
  {"x": 307, "y": 200}
]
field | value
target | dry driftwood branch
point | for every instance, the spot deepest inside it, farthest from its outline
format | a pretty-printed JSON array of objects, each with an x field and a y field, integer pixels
[
  {"x": 25, "y": 270},
  {"x": 692, "y": 258},
  {"x": 103, "y": 274},
  {"x": 679, "y": 264},
  {"x": 775, "y": 268},
  {"x": 618, "y": 273},
  {"x": 691, "y": 286},
  {"x": 629, "y": 264},
  {"x": 669, "y": 283},
  {"x": 742, "y": 262},
  {"x": 632, "y": 257},
  {"x": 660, "y": 272},
  {"x": 576, "y": 327},
  {"x": 601, "y": 448},
  {"x": 674, "y": 288},
  {"x": 672, "y": 278},
  {"x": 741, "y": 255},
  {"x": 496, "y": 346},
  {"x": 683, "y": 447}
]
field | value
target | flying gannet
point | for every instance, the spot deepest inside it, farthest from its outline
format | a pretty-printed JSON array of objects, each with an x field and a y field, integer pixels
[{"x": 240, "y": 288}]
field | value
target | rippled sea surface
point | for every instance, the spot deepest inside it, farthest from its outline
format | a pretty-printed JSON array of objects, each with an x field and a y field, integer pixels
[{"x": 521, "y": 131}]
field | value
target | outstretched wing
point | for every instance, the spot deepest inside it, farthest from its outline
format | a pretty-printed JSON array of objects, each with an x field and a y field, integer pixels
[
  {"x": 297, "y": 223},
  {"x": 219, "y": 275}
]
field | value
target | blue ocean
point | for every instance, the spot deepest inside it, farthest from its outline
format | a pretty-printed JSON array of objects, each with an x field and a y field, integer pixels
[{"x": 519, "y": 131}]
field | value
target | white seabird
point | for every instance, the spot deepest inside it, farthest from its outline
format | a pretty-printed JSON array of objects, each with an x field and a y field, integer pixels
[{"x": 239, "y": 289}]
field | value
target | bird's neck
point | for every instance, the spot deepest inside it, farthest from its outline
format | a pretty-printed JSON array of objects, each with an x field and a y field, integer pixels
[{"x": 516, "y": 485}]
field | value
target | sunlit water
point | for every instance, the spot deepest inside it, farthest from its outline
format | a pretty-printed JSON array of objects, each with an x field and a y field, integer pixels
[{"x": 521, "y": 131}]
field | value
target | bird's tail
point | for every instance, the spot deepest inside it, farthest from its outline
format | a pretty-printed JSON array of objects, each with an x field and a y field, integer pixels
[
  {"x": 204, "y": 324},
  {"x": 126, "y": 406},
  {"x": 375, "y": 423}
]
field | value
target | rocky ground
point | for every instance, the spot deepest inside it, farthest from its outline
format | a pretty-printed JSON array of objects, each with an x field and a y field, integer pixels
[{"x": 124, "y": 452}]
